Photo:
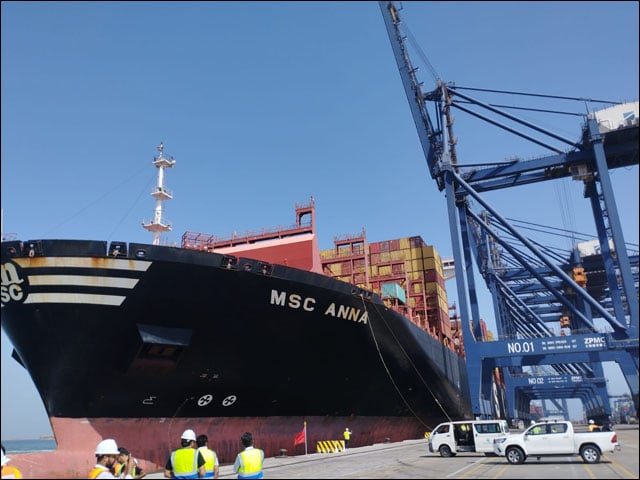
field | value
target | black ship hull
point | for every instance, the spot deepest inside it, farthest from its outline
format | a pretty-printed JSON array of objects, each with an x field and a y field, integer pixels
[{"x": 167, "y": 334}]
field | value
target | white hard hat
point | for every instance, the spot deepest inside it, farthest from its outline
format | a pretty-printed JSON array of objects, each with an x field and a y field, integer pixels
[
  {"x": 189, "y": 435},
  {"x": 5, "y": 459},
  {"x": 591, "y": 422},
  {"x": 107, "y": 447}
]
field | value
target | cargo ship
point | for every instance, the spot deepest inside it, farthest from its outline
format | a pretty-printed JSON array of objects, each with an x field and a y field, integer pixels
[{"x": 254, "y": 332}]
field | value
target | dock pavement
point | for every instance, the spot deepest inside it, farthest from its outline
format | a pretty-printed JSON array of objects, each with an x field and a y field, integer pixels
[{"x": 411, "y": 459}]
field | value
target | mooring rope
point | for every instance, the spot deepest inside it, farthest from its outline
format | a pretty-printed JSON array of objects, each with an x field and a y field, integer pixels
[{"x": 393, "y": 382}]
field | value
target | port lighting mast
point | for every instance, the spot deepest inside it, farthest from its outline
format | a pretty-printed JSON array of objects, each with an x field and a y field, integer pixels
[{"x": 159, "y": 224}]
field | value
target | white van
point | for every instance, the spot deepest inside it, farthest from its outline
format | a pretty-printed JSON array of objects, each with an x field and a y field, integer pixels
[{"x": 450, "y": 438}]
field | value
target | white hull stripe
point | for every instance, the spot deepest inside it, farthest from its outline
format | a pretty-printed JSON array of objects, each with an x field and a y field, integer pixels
[
  {"x": 91, "y": 281},
  {"x": 83, "y": 281},
  {"x": 85, "y": 298}
]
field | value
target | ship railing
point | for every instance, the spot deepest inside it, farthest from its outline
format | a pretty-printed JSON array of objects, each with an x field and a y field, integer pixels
[
  {"x": 163, "y": 221},
  {"x": 166, "y": 158},
  {"x": 351, "y": 236},
  {"x": 308, "y": 204},
  {"x": 341, "y": 254},
  {"x": 202, "y": 240},
  {"x": 163, "y": 190}
]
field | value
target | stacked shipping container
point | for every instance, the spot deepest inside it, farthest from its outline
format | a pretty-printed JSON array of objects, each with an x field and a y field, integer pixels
[{"x": 407, "y": 273}]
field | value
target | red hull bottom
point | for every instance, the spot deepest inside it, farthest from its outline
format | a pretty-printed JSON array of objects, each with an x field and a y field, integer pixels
[{"x": 151, "y": 440}]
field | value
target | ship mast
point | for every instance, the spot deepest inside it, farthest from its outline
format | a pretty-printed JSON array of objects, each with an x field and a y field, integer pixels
[{"x": 160, "y": 193}]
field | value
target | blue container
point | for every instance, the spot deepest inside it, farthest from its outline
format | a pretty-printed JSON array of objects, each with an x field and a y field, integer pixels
[{"x": 393, "y": 290}]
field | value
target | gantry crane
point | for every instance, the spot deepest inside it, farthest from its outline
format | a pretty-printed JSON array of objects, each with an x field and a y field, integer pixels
[{"x": 531, "y": 286}]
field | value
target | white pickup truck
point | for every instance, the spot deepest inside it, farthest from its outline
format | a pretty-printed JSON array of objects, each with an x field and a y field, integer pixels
[{"x": 555, "y": 438}]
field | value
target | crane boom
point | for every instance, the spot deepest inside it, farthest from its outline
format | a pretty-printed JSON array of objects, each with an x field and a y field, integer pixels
[
  {"x": 431, "y": 138},
  {"x": 502, "y": 253}
]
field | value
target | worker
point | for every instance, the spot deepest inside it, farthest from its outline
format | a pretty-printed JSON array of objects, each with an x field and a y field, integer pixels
[
  {"x": 121, "y": 463},
  {"x": 106, "y": 455},
  {"x": 593, "y": 427},
  {"x": 347, "y": 437},
  {"x": 9, "y": 471},
  {"x": 249, "y": 462},
  {"x": 538, "y": 430},
  {"x": 185, "y": 462},
  {"x": 211, "y": 464}
]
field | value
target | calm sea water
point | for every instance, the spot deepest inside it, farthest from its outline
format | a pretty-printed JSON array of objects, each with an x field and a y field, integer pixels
[{"x": 19, "y": 446}]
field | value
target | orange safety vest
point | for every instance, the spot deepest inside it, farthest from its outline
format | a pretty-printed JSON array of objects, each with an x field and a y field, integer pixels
[{"x": 97, "y": 471}]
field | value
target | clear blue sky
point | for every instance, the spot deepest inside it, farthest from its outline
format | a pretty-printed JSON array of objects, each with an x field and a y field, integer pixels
[{"x": 264, "y": 104}]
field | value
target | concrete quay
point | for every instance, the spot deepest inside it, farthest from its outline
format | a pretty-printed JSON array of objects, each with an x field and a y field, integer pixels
[{"x": 411, "y": 459}]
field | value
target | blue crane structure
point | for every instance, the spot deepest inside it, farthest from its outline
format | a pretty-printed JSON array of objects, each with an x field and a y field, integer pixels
[{"x": 592, "y": 294}]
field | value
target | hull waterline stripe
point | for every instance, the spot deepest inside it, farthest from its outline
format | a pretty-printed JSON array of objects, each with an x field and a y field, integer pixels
[
  {"x": 82, "y": 262},
  {"x": 83, "y": 281},
  {"x": 112, "y": 300}
]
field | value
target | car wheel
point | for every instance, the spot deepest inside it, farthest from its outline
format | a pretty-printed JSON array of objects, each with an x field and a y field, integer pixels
[
  {"x": 445, "y": 451},
  {"x": 515, "y": 456},
  {"x": 590, "y": 454}
]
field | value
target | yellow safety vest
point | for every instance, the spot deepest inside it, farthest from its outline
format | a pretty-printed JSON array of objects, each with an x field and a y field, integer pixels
[
  {"x": 250, "y": 462},
  {"x": 347, "y": 435},
  {"x": 185, "y": 463},
  {"x": 119, "y": 468},
  {"x": 209, "y": 461}
]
